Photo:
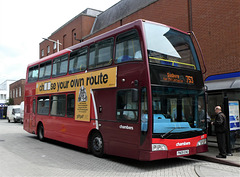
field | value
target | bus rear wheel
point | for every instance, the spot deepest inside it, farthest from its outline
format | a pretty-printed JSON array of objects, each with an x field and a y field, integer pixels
[
  {"x": 40, "y": 132},
  {"x": 97, "y": 147}
]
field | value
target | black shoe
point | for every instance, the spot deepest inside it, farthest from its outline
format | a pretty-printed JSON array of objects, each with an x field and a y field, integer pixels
[{"x": 221, "y": 156}]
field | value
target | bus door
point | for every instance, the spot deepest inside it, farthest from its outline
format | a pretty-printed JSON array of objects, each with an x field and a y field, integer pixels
[{"x": 126, "y": 132}]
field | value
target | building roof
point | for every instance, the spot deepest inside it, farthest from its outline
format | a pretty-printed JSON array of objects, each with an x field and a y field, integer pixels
[
  {"x": 87, "y": 12},
  {"x": 117, "y": 12}
]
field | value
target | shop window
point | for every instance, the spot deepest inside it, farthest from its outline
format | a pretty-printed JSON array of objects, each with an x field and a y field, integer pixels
[
  {"x": 127, "y": 105},
  {"x": 128, "y": 47}
]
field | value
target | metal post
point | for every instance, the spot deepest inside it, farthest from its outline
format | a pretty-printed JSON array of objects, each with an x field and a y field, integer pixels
[
  {"x": 226, "y": 110},
  {"x": 58, "y": 45},
  {"x": 57, "y": 42}
]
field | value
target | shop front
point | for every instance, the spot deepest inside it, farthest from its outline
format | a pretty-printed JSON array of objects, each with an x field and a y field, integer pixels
[
  {"x": 224, "y": 90},
  {"x": 3, "y": 111}
]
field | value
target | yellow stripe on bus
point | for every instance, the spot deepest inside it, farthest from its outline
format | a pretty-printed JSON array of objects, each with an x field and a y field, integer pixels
[{"x": 160, "y": 59}]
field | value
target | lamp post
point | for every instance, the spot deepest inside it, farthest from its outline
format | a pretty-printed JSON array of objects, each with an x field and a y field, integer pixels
[{"x": 56, "y": 42}]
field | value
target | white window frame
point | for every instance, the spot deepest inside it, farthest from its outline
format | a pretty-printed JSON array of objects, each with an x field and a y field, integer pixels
[
  {"x": 16, "y": 92},
  {"x": 48, "y": 49},
  {"x": 42, "y": 52},
  {"x": 20, "y": 91}
]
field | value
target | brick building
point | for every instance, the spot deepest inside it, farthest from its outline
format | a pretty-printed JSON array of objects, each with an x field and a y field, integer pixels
[
  {"x": 16, "y": 91},
  {"x": 70, "y": 33},
  {"x": 215, "y": 23}
]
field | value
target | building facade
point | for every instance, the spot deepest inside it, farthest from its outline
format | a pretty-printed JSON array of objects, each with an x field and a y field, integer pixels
[
  {"x": 16, "y": 91},
  {"x": 70, "y": 33},
  {"x": 4, "y": 96}
]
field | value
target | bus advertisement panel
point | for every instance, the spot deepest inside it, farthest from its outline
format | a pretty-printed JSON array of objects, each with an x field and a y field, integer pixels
[{"x": 81, "y": 84}]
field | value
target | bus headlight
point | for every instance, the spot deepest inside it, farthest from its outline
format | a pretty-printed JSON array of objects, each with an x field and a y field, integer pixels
[
  {"x": 202, "y": 142},
  {"x": 159, "y": 147}
]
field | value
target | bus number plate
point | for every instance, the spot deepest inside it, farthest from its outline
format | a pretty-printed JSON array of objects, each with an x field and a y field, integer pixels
[{"x": 183, "y": 152}]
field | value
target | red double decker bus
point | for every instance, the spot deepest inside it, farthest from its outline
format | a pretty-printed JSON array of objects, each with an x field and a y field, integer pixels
[{"x": 136, "y": 92}]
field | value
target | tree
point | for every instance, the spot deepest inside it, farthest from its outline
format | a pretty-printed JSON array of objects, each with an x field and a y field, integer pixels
[{"x": 10, "y": 101}]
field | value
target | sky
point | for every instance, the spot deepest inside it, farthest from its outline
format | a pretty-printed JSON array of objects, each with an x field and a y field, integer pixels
[{"x": 23, "y": 24}]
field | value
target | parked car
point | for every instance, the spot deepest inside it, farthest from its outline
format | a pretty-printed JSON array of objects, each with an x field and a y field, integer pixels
[{"x": 13, "y": 113}]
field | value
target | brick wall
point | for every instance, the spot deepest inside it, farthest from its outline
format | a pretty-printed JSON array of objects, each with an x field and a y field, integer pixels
[
  {"x": 14, "y": 87},
  {"x": 82, "y": 26},
  {"x": 217, "y": 26}
]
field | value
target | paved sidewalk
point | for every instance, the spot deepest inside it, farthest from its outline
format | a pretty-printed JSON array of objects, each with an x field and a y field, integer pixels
[{"x": 213, "y": 151}]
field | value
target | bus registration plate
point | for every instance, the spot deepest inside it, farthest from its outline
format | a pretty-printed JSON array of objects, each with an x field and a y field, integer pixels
[{"x": 183, "y": 152}]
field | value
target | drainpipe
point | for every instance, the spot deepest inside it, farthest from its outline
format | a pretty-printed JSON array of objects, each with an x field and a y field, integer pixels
[{"x": 190, "y": 15}]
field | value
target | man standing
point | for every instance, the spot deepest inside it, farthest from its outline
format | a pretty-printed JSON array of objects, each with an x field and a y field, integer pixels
[{"x": 220, "y": 124}]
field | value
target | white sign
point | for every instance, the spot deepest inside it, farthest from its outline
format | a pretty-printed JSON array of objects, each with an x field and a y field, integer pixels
[{"x": 234, "y": 115}]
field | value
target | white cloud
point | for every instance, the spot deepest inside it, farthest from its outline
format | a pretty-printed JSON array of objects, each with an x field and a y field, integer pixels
[{"x": 24, "y": 23}]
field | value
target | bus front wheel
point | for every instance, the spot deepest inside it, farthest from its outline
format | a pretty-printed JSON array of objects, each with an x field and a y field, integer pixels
[
  {"x": 40, "y": 132},
  {"x": 97, "y": 144}
]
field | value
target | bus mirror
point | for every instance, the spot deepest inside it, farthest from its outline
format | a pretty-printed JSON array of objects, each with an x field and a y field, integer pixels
[{"x": 134, "y": 95}]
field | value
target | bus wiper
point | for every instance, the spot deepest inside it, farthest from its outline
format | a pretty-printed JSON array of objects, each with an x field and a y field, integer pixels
[{"x": 165, "y": 134}]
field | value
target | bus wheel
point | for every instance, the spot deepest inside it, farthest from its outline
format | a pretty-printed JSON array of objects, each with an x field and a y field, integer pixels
[
  {"x": 40, "y": 132},
  {"x": 97, "y": 144}
]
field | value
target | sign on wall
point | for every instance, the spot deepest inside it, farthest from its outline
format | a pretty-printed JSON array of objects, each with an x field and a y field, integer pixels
[{"x": 234, "y": 115}]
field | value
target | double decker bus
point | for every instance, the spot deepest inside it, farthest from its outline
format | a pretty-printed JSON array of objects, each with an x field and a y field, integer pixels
[{"x": 136, "y": 91}]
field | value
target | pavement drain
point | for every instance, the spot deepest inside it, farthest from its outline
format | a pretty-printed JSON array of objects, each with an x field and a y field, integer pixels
[{"x": 2, "y": 140}]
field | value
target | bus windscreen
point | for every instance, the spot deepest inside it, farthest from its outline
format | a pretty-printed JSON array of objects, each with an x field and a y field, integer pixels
[
  {"x": 178, "y": 110},
  {"x": 169, "y": 47}
]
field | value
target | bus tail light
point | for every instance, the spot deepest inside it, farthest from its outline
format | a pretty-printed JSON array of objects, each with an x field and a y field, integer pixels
[
  {"x": 202, "y": 142},
  {"x": 159, "y": 147}
]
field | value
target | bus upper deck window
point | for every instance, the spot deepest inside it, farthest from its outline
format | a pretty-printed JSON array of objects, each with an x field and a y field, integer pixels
[
  {"x": 101, "y": 54},
  {"x": 33, "y": 74},
  {"x": 78, "y": 61},
  {"x": 45, "y": 70},
  {"x": 60, "y": 66},
  {"x": 128, "y": 47}
]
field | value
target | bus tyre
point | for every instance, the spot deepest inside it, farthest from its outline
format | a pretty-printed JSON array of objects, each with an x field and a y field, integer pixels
[
  {"x": 40, "y": 132},
  {"x": 97, "y": 144}
]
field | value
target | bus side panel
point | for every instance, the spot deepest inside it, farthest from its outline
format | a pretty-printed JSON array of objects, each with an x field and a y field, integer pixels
[{"x": 66, "y": 130}]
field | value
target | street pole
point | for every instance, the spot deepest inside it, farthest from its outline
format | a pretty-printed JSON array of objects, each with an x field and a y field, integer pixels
[{"x": 57, "y": 42}]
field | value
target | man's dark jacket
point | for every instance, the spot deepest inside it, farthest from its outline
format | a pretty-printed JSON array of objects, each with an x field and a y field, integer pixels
[{"x": 220, "y": 123}]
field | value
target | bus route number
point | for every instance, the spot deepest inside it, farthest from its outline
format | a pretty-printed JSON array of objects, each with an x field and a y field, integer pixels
[{"x": 189, "y": 80}]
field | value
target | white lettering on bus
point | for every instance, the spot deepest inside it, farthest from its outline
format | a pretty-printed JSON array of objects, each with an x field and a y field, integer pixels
[
  {"x": 125, "y": 127},
  {"x": 183, "y": 144}
]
